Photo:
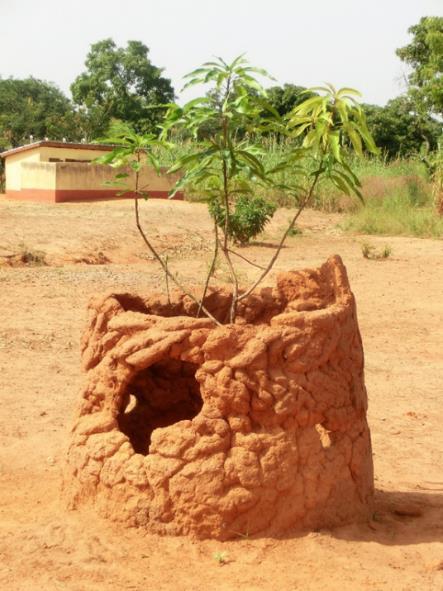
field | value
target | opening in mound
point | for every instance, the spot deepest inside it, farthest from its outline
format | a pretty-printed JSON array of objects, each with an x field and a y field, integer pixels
[{"x": 161, "y": 395}]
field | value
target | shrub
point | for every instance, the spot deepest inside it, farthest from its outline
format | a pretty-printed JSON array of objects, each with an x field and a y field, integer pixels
[
  {"x": 370, "y": 252},
  {"x": 247, "y": 220},
  {"x": 31, "y": 257}
]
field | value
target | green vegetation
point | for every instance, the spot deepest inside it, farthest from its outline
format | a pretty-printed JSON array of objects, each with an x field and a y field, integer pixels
[
  {"x": 121, "y": 84},
  {"x": 118, "y": 84},
  {"x": 248, "y": 218},
  {"x": 369, "y": 251},
  {"x": 221, "y": 557},
  {"x": 406, "y": 209},
  {"x": 273, "y": 144},
  {"x": 31, "y": 257},
  {"x": 31, "y": 109},
  {"x": 399, "y": 130},
  {"x": 401, "y": 196},
  {"x": 226, "y": 164},
  {"x": 425, "y": 57}
]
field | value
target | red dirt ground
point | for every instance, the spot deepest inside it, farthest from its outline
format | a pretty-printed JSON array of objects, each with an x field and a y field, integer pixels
[{"x": 44, "y": 547}]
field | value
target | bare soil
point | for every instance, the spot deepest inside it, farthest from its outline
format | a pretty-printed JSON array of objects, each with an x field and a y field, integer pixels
[{"x": 82, "y": 249}]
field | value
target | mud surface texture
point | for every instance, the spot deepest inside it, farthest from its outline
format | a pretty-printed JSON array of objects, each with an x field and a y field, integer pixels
[{"x": 254, "y": 427}]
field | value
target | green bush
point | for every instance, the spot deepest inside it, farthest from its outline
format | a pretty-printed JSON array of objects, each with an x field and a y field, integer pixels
[{"x": 247, "y": 220}]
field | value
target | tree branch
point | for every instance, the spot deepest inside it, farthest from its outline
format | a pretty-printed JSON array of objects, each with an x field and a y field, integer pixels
[
  {"x": 164, "y": 266},
  {"x": 237, "y": 254},
  {"x": 233, "y": 310},
  {"x": 211, "y": 269},
  {"x": 283, "y": 238}
]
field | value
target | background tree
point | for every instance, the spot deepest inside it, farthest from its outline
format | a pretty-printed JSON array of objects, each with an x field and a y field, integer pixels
[
  {"x": 121, "y": 83},
  {"x": 398, "y": 130},
  {"x": 425, "y": 56},
  {"x": 285, "y": 98},
  {"x": 35, "y": 108}
]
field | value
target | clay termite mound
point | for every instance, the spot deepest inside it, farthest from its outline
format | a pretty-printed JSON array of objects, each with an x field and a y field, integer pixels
[{"x": 185, "y": 427}]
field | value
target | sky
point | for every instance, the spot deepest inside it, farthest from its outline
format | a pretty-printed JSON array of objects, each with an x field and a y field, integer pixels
[{"x": 304, "y": 42}]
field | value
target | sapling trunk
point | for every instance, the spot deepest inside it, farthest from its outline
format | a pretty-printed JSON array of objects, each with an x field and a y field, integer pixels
[
  {"x": 226, "y": 230},
  {"x": 211, "y": 270}
]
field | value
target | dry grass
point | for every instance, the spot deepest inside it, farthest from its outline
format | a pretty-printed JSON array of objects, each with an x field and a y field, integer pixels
[{"x": 398, "y": 206}]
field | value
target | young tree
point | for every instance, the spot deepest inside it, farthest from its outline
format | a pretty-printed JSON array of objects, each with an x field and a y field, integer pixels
[
  {"x": 226, "y": 168},
  {"x": 425, "y": 56},
  {"x": 121, "y": 83},
  {"x": 226, "y": 164}
]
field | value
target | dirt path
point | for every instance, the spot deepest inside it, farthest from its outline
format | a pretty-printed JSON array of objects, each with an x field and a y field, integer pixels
[{"x": 44, "y": 547}]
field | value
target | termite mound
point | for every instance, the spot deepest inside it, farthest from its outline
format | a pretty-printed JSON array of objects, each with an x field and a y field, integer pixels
[{"x": 186, "y": 427}]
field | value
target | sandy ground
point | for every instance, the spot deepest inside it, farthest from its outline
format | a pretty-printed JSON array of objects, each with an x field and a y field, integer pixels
[{"x": 44, "y": 547}]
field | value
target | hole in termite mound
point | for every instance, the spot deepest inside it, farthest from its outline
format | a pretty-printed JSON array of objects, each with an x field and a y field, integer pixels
[{"x": 161, "y": 395}]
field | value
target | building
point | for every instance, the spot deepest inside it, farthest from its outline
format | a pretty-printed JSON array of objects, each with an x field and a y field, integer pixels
[{"x": 57, "y": 171}]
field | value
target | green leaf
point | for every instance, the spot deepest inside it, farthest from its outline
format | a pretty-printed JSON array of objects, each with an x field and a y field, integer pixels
[
  {"x": 300, "y": 129},
  {"x": 195, "y": 102},
  {"x": 307, "y": 105},
  {"x": 342, "y": 111},
  {"x": 353, "y": 186},
  {"x": 310, "y": 138},
  {"x": 355, "y": 139},
  {"x": 355, "y": 178},
  {"x": 193, "y": 82},
  {"x": 347, "y": 91},
  {"x": 315, "y": 89},
  {"x": 252, "y": 161},
  {"x": 136, "y": 166},
  {"x": 111, "y": 157},
  {"x": 338, "y": 182},
  {"x": 182, "y": 162},
  {"x": 240, "y": 59},
  {"x": 252, "y": 83},
  {"x": 334, "y": 142},
  {"x": 367, "y": 138}
]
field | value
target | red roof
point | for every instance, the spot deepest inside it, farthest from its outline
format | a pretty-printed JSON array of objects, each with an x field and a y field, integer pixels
[{"x": 50, "y": 144}]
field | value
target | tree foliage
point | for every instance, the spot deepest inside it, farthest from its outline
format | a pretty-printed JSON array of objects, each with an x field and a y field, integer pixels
[
  {"x": 248, "y": 218},
  {"x": 32, "y": 107},
  {"x": 398, "y": 130},
  {"x": 225, "y": 163},
  {"x": 122, "y": 83},
  {"x": 285, "y": 98},
  {"x": 331, "y": 125},
  {"x": 425, "y": 56},
  {"x": 228, "y": 168}
]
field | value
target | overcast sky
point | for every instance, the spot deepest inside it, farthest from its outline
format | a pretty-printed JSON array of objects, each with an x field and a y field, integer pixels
[{"x": 305, "y": 42}]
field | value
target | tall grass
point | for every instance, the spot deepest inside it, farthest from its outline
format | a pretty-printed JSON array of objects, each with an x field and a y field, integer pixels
[
  {"x": 397, "y": 194},
  {"x": 404, "y": 206}
]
